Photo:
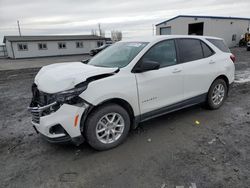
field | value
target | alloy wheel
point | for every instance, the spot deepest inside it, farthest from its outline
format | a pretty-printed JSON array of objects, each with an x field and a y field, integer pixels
[
  {"x": 110, "y": 128},
  {"x": 218, "y": 94}
]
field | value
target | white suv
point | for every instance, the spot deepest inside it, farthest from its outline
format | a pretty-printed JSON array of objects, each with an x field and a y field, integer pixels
[{"x": 130, "y": 82}]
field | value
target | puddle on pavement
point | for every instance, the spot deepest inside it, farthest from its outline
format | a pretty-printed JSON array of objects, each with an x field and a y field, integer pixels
[{"x": 242, "y": 76}]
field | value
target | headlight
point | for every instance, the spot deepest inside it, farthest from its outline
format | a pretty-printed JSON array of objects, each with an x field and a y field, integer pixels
[{"x": 71, "y": 96}]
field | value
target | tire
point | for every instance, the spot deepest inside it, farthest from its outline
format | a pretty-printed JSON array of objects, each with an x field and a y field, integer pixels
[
  {"x": 218, "y": 90},
  {"x": 248, "y": 48},
  {"x": 109, "y": 136}
]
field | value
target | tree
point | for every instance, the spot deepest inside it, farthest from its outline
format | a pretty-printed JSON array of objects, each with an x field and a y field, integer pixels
[
  {"x": 116, "y": 35},
  {"x": 98, "y": 32},
  {"x": 93, "y": 32}
]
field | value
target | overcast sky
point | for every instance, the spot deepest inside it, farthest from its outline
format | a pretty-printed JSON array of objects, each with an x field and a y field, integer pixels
[{"x": 133, "y": 18}]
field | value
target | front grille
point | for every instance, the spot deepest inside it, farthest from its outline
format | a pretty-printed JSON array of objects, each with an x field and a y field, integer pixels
[
  {"x": 40, "y": 111},
  {"x": 42, "y": 104},
  {"x": 41, "y": 98},
  {"x": 35, "y": 117}
]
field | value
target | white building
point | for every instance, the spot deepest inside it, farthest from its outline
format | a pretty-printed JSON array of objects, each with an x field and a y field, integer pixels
[
  {"x": 53, "y": 45},
  {"x": 230, "y": 29}
]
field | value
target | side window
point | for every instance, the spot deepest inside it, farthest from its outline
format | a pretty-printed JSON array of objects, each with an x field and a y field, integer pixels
[
  {"x": 61, "y": 45},
  {"x": 42, "y": 46},
  {"x": 99, "y": 43},
  {"x": 234, "y": 37},
  {"x": 79, "y": 44},
  {"x": 22, "y": 47},
  {"x": 190, "y": 50},
  {"x": 163, "y": 53},
  {"x": 206, "y": 50}
]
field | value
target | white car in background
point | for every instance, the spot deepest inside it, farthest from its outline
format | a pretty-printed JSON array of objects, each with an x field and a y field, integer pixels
[{"x": 128, "y": 83}]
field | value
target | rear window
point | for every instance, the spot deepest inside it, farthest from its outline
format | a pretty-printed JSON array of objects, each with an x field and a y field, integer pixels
[
  {"x": 219, "y": 44},
  {"x": 190, "y": 50}
]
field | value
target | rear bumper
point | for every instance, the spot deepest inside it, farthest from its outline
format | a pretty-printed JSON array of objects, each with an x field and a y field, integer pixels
[{"x": 62, "y": 126}]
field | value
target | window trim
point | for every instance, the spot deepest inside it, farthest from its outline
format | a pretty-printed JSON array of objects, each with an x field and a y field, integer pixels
[
  {"x": 42, "y": 43},
  {"x": 176, "y": 51},
  {"x": 22, "y": 49},
  {"x": 61, "y": 43},
  {"x": 201, "y": 49}
]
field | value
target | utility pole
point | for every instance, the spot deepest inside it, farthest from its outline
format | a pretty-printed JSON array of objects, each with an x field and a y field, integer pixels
[
  {"x": 153, "y": 29},
  {"x": 19, "y": 29}
]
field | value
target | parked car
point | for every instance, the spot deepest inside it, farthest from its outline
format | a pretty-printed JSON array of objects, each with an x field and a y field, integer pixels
[
  {"x": 248, "y": 46},
  {"x": 99, "y": 49},
  {"x": 128, "y": 83}
]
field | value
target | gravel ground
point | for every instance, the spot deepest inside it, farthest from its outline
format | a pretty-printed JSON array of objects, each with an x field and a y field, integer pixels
[{"x": 165, "y": 152}]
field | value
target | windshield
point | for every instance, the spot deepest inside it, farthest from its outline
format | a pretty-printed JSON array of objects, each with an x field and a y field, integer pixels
[{"x": 118, "y": 55}]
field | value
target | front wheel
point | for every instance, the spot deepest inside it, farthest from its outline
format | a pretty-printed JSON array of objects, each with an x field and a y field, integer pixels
[
  {"x": 107, "y": 127},
  {"x": 217, "y": 94}
]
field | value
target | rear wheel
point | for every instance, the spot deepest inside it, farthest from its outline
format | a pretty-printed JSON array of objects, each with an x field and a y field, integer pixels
[
  {"x": 107, "y": 127},
  {"x": 217, "y": 94}
]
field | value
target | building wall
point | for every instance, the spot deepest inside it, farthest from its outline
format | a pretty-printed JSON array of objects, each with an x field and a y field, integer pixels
[
  {"x": 223, "y": 28},
  {"x": 52, "y": 48},
  {"x": 3, "y": 52},
  {"x": 9, "y": 49}
]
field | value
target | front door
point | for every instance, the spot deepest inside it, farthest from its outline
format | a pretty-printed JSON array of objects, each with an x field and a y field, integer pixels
[{"x": 162, "y": 87}]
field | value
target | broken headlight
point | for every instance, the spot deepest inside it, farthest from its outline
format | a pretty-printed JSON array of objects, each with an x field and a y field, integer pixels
[{"x": 71, "y": 96}]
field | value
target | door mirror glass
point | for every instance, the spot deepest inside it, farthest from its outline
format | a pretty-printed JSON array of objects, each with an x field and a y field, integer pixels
[{"x": 147, "y": 65}]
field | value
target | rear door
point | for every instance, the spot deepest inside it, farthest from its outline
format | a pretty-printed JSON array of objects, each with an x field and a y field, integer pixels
[{"x": 199, "y": 66}]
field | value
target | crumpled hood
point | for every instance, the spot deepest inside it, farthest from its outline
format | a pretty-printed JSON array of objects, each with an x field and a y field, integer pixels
[{"x": 63, "y": 76}]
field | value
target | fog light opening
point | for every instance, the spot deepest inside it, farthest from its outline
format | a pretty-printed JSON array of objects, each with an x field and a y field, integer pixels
[{"x": 57, "y": 129}]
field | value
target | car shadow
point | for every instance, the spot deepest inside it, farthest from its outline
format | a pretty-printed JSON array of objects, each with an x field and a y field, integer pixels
[{"x": 168, "y": 120}]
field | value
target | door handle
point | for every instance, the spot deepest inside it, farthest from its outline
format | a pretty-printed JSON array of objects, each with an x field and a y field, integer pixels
[
  {"x": 211, "y": 62},
  {"x": 176, "y": 70}
]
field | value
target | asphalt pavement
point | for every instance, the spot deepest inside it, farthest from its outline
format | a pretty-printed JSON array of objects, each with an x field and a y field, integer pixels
[{"x": 191, "y": 147}]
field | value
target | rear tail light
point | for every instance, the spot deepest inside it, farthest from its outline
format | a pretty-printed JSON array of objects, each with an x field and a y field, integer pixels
[{"x": 233, "y": 58}]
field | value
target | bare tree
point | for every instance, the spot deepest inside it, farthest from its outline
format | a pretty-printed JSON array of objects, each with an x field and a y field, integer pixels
[
  {"x": 93, "y": 32},
  {"x": 101, "y": 32},
  {"x": 116, "y": 35}
]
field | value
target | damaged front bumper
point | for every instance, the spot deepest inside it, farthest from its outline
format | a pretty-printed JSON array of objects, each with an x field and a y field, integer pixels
[{"x": 60, "y": 125}]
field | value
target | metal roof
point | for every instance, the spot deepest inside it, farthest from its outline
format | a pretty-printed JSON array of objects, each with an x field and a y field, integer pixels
[
  {"x": 51, "y": 38},
  {"x": 211, "y": 17}
]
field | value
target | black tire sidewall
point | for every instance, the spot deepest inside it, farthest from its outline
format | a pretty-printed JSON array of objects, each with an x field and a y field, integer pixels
[
  {"x": 95, "y": 116},
  {"x": 210, "y": 103}
]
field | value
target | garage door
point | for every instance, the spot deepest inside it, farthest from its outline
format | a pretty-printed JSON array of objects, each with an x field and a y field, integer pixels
[{"x": 165, "y": 31}]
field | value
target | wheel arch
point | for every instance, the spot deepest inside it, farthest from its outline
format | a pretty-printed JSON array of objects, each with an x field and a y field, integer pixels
[
  {"x": 123, "y": 103},
  {"x": 223, "y": 77}
]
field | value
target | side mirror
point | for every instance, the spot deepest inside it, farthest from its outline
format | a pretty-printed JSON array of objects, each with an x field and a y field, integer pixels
[
  {"x": 146, "y": 65},
  {"x": 85, "y": 61}
]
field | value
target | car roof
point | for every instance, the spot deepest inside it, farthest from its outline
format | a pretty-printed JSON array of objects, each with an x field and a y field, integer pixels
[{"x": 163, "y": 37}]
